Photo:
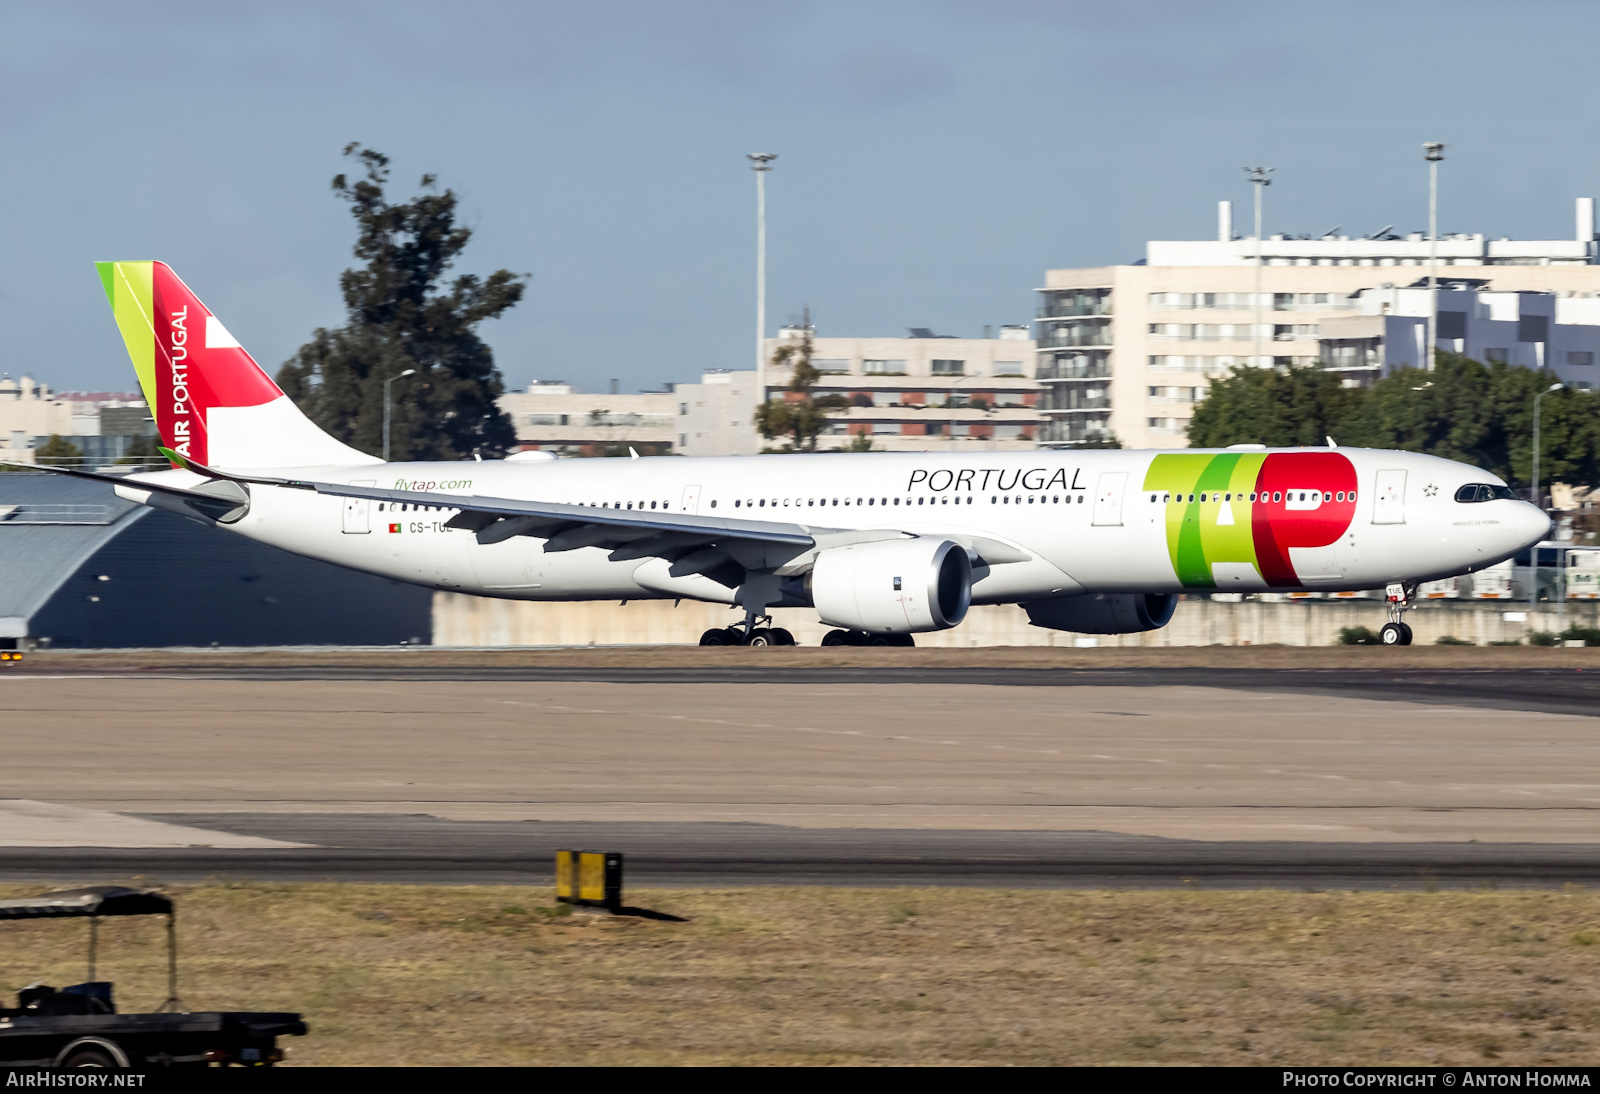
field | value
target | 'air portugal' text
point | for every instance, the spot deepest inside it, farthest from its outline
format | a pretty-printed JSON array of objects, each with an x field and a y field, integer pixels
[{"x": 179, "y": 351}]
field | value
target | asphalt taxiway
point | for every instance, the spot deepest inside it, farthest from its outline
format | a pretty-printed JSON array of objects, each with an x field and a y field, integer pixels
[{"x": 1353, "y": 775}]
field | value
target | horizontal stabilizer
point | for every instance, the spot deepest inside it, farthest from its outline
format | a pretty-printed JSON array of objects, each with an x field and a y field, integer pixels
[{"x": 220, "y": 499}]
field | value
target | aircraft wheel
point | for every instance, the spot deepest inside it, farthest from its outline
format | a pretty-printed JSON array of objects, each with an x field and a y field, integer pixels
[
  {"x": 781, "y": 637},
  {"x": 1405, "y": 630},
  {"x": 881, "y": 640},
  {"x": 761, "y": 637},
  {"x": 716, "y": 636},
  {"x": 905, "y": 640},
  {"x": 1395, "y": 634},
  {"x": 837, "y": 638}
]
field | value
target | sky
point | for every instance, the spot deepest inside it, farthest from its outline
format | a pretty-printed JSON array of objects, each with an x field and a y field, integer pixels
[{"x": 935, "y": 157}]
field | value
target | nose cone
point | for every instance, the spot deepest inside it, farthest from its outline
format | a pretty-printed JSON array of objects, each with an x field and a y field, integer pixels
[{"x": 1531, "y": 524}]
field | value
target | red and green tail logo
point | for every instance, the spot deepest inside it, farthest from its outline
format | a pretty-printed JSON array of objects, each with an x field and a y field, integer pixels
[{"x": 187, "y": 362}]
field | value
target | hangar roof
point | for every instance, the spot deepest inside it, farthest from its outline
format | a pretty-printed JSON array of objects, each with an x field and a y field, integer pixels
[{"x": 49, "y": 526}]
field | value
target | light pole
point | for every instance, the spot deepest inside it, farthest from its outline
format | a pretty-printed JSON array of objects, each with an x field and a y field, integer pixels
[
  {"x": 1433, "y": 152},
  {"x": 386, "y": 406},
  {"x": 1533, "y": 594},
  {"x": 761, "y": 163},
  {"x": 1258, "y": 176}
]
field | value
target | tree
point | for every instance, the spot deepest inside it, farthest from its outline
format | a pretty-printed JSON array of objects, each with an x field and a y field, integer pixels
[
  {"x": 58, "y": 452},
  {"x": 799, "y": 419},
  {"x": 1463, "y": 410},
  {"x": 1482, "y": 415},
  {"x": 401, "y": 313},
  {"x": 143, "y": 450},
  {"x": 1300, "y": 406},
  {"x": 1101, "y": 440}
]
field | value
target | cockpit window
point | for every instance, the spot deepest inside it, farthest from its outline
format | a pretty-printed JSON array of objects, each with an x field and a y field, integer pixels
[{"x": 1482, "y": 491}]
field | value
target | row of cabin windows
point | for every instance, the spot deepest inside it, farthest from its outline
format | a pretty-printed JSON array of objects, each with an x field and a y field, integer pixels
[
  {"x": 1277, "y": 495},
  {"x": 1315, "y": 496},
  {"x": 761, "y": 503}
]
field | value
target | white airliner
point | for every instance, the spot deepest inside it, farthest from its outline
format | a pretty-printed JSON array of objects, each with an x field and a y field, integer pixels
[{"x": 882, "y": 546}]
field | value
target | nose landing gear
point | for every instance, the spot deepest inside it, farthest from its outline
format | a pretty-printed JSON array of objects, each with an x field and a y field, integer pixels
[{"x": 1396, "y": 632}]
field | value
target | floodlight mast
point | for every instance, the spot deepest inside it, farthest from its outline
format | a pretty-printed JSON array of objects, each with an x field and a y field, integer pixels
[
  {"x": 388, "y": 404},
  {"x": 761, "y": 163},
  {"x": 1433, "y": 152},
  {"x": 1533, "y": 570},
  {"x": 1259, "y": 176}
]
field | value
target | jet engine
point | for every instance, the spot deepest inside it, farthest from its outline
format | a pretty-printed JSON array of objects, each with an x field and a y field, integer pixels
[
  {"x": 1103, "y": 613},
  {"x": 893, "y": 586}
]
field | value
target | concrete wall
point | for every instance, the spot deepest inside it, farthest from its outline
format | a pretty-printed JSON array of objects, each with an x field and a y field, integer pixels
[{"x": 460, "y": 620}]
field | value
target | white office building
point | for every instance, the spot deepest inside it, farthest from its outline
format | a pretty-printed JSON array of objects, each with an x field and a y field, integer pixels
[
  {"x": 1128, "y": 350},
  {"x": 1528, "y": 329}
]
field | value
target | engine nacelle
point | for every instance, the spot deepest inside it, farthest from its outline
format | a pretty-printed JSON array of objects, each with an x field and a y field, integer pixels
[
  {"x": 893, "y": 586},
  {"x": 1103, "y": 613}
]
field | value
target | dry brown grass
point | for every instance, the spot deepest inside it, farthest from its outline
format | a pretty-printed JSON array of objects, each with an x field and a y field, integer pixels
[{"x": 436, "y": 975}]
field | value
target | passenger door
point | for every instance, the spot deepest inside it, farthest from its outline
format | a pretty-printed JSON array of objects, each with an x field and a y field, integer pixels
[
  {"x": 1389, "y": 504},
  {"x": 691, "y": 499},
  {"x": 357, "y": 518},
  {"x": 1108, "y": 498}
]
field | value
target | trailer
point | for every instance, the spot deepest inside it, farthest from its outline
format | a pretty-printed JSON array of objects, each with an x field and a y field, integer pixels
[
  {"x": 1554, "y": 570},
  {"x": 1583, "y": 574},
  {"x": 79, "y": 1026}
]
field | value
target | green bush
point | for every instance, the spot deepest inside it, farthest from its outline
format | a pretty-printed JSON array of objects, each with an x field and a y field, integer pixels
[
  {"x": 1452, "y": 640},
  {"x": 1505, "y": 642},
  {"x": 1589, "y": 636},
  {"x": 1542, "y": 638},
  {"x": 1359, "y": 636}
]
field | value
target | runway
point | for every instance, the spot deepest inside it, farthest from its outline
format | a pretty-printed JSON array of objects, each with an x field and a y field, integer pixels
[
  {"x": 1548, "y": 690},
  {"x": 767, "y": 774},
  {"x": 428, "y": 850}
]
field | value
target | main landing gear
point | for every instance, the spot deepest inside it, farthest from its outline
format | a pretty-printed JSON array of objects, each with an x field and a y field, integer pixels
[
  {"x": 862, "y": 638},
  {"x": 1396, "y": 632},
  {"x": 750, "y": 634}
]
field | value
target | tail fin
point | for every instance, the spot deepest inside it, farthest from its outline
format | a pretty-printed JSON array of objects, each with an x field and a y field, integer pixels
[{"x": 211, "y": 402}]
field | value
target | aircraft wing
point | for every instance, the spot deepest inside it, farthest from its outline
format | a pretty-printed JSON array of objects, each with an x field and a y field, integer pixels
[
  {"x": 496, "y": 519},
  {"x": 718, "y": 547},
  {"x": 693, "y": 544},
  {"x": 633, "y": 533}
]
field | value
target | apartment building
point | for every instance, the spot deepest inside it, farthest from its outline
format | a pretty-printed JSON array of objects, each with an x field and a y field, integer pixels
[
  {"x": 551, "y": 416},
  {"x": 924, "y": 391},
  {"x": 716, "y": 416},
  {"x": 1560, "y": 334},
  {"x": 102, "y": 424},
  {"x": 1126, "y": 351}
]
